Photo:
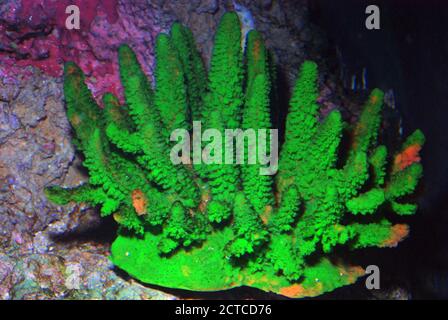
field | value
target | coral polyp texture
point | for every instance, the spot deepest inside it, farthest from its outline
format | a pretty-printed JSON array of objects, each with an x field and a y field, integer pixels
[{"x": 212, "y": 227}]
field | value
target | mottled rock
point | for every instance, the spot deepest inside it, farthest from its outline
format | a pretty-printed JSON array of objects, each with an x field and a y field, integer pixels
[
  {"x": 76, "y": 273},
  {"x": 208, "y": 6},
  {"x": 35, "y": 35},
  {"x": 35, "y": 151},
  {"x": 284, "y": 24}
]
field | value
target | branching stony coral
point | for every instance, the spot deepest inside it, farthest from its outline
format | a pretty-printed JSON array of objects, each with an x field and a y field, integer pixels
[{"x": 210, "y": 227}]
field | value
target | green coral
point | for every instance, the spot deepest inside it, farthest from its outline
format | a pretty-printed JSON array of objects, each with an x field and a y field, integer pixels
[
  {"x": 216, "y": 226},
  {"x": 366, "y": 203},
  {"x": 222, "y": 104},
  {"x": 170, "y": 97},
  {"x": 192, "y": 66}
]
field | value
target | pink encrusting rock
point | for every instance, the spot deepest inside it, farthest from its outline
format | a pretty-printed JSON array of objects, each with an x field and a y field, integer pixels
[{"x": 33, "y": 33}]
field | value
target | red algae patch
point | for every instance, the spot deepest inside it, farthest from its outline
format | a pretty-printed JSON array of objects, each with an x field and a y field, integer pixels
[{"x": 33, "y": 33}]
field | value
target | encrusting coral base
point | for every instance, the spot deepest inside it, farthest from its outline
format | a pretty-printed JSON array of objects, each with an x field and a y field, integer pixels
[{"x": 206, "y": 269}]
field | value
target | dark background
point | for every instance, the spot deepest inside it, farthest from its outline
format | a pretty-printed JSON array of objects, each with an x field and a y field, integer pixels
[{"x": 408, "y": 54}]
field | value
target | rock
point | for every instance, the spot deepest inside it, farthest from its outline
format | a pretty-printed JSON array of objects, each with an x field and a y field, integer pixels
[
  {"x": 266, "y": 4},
  {"x": 84, "y": 273},
  {"x": 208, "y": 6},
  {"x": 36, "y": 150}
]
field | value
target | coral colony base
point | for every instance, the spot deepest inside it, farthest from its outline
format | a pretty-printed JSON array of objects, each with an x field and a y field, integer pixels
[{"x": 207, "y": 227}]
